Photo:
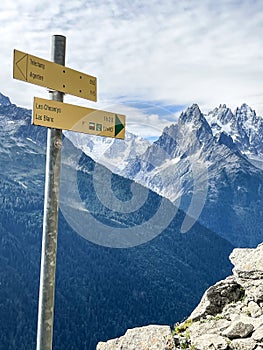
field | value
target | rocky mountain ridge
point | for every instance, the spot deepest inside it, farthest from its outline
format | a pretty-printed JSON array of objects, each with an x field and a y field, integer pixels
[
  {"x": 243, "y": 125},
  {"x": 203, "y": 164},
  {"x": 228, "y": 317},
  {"x": 203, "y": 173}
]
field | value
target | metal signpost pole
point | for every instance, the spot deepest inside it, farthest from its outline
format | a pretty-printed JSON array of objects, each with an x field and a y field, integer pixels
[{"x": 50, "y": 220}]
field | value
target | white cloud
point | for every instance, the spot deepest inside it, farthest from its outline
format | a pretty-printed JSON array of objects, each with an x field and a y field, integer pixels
[
  {"x": 139, "y": 117},
  {"x": 177, "y": 52}
]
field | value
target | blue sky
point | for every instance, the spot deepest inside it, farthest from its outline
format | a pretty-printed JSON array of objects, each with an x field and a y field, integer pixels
[{"x": 168, "y": 54}]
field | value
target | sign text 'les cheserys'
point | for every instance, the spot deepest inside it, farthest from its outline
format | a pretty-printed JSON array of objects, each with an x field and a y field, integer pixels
[{"x": 59, "y": 115}]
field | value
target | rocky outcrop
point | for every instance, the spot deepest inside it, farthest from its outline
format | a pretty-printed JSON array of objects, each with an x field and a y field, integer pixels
[
  {"x": 216, "y": 297},
  {"x": 228, "y": 317},
  {"x": 150, "y": 337},
  {"x": 248, "y": 271}
]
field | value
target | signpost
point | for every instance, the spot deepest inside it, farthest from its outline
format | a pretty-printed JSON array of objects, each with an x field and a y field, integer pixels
[
  {"x": 50, "y": 219},
  {"x": 54, "y": 76},
  {"x": 65, "y": 116},
  {"x": 56, "y": 115}
]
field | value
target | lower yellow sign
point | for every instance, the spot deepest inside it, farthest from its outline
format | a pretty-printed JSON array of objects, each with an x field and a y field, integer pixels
[{"x": 60, "y": 115}]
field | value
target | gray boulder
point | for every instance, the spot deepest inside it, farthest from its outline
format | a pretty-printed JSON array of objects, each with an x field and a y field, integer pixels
[
  {"x": 238, "y": 330},
  {"x": 210, "y": 341},
  {"x": 243, "y": 344},
  {"x": 258, "y": 334},
  {"x": 150, "y": 337},
  {"x": 216, "y": 297},
  {"x": 248, "y": 270}
]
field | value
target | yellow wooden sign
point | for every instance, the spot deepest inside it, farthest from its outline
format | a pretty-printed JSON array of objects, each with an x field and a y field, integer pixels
[
  {"x": 54, "y": 76},
  {"x": 59, "y": 115}
]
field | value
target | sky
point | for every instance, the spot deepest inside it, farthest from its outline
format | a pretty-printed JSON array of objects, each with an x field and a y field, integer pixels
[{"x": 152, "y": 58}]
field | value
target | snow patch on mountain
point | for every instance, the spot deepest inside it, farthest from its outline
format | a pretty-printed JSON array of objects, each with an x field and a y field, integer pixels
[{"x": 115, "y": 154}]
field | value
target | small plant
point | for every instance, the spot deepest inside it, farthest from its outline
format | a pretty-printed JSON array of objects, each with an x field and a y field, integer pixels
[
  {"x": 180, "y": 328},
  {"x": 203, "y": 320},
  {"x": 217, "y": 317},
  {"x": 248, "y": 313},
  {"x": 228, "y": 341},
  {"x": 183, "y": 334},
  {"x": 187, "y": 334},
  {"x": 242, "y": 294},
  {"x": 184, "y": 345}
]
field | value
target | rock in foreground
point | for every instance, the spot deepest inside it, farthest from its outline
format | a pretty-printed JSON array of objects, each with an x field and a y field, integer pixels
[
  {"x": 229, "y": 316},
  {"x": 149, "y": 337}
]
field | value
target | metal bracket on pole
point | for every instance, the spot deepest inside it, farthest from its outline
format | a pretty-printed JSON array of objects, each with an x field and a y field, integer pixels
[{"x": 50, "y": 220}]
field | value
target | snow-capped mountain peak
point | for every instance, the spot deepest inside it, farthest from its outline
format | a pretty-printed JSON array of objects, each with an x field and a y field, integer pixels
[
  {"x": 193, "y": 115},
  {"x": 243, "y": 126},
  {"x": 245, "y": 113},
  {"x": 221, "y": 115},
  {"x": 194, "y": 128}
]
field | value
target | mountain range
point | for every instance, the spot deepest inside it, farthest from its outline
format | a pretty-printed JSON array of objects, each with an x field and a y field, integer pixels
[
  {"x": 204, "y": 164},
  {"x": 101, "y": 291}
]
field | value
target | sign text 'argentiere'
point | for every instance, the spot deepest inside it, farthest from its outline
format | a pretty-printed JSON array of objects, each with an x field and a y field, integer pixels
[{"x": 54, "y": 76}]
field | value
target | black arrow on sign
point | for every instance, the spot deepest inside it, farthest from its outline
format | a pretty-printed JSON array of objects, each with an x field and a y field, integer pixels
[{"x": 22, "y": 66}]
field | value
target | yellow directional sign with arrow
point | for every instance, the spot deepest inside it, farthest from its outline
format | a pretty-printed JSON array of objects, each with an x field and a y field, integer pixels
[
  {"x": 60, "y": 115},
  {"x": 54, "y": 76}
]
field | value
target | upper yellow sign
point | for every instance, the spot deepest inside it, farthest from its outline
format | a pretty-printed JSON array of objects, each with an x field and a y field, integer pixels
[
  {"x": 54, "y": 76},
  {"x": 59, "y": 115}
]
